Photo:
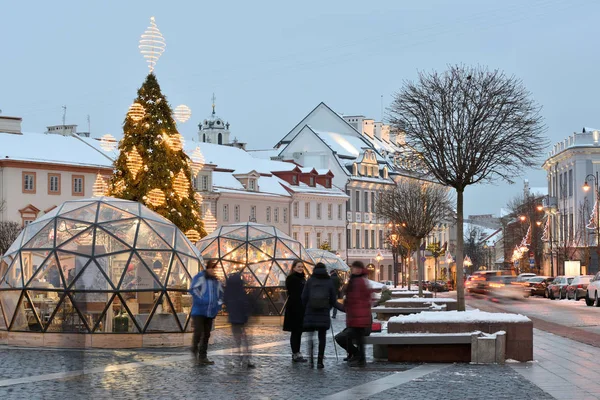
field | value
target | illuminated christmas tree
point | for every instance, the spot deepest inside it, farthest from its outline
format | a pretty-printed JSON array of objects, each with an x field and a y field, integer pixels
[{"x": 152, "y": 167}]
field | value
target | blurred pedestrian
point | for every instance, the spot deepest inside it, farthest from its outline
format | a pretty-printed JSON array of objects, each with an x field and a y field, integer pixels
[
  {"x": 294, "y": 310},
  {"x": 358, "y": 313},
  {"x": 337, "y": 285},
  {"x": 318, "y": 297},
  {"x": 238, "y": 308},
  {"x": 207, "y": 295},
  {"x": 386, "y": 294}
]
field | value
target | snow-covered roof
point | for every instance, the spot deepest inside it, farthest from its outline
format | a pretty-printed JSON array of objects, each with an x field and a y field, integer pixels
[
  {"x": 458, "y": 316},
  {"x": 265, "y": 154},
  {"x": 226, "y": 180},
  {"x": 317, "y": 189},
  {"x": 55, "y": 149},
  {"x": 343, "y": 145}
]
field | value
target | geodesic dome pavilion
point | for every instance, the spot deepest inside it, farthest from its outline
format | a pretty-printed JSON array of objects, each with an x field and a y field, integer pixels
[
  {"x": 263, "y": 254},
  {"x": 99, "y": 265}
]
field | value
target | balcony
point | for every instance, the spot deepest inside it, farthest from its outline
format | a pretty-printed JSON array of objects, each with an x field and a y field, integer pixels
[{"x": 550, "y": 204}]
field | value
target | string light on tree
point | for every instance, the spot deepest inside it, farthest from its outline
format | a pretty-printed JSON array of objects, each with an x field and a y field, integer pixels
[
  {"x": 136, "y": 112},
  {"x": 108, "y": 142},
  {"x": 100, "y": 187},
  {"x": 152, "y": 44},
  {"x": 134, "y": 162},
  {"x": 182, "y": 113}
]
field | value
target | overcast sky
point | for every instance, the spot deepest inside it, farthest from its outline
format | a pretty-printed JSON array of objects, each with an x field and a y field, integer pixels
[{"x": 270, "y": 63}]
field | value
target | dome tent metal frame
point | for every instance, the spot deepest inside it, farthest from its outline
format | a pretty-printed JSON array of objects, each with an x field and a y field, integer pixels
[
  {"x": 99, "y": 265},
  {"x": 262, "y": 254}
]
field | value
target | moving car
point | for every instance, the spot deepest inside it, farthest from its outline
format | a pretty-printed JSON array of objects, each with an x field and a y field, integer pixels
[
  {"x": 592, "y": 295},
  {"x": 437, "y": 286},
  {"x": 505, "y": 287},
  {"x": 578, "y": 287},
  {"x": 537, "y": 285},
  {"x": 558, "y": 288},
  {"x": 525, "y": 277}
]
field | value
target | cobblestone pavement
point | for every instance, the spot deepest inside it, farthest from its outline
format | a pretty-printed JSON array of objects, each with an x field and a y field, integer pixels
[{"x": 170, "y": 373}]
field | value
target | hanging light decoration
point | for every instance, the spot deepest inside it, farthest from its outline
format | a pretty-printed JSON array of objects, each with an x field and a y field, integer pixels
[
  {"x": 134, "y": 162},
  {"x": 198, "y": 197},
  {"x": 197, "y": 161},
  {"x": 108, "y": 142},
  {"x": 136, "y": 112},
  {"x": 181, "y": 184},
  {"x": 156, "y": 197},
  {"x": 182, "y": 113},
  {"x": 175, "y": 142},
  {"x": 152, "y": 44},
  {"x": 193, "y": 235},
  {"x": 100, "y": 187},
  {"x": 119, "y": 186}
]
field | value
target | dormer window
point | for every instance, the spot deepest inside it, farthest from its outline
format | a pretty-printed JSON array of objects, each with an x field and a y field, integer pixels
[
  {"x": 294, "y": 179},
  {"x": 355, "y": 169},
  {"x": 327, "y": 183},
  {"x": 312, "y": 181},
  {"x": 385, "y": 173},
  {"x": 252, "y": 184}
]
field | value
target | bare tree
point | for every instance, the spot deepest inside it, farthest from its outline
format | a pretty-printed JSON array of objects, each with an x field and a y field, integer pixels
[
  {"x": 415, "y": 207},
  {"x": 465, "y": 126},
  {"x": 8, "y": 233}
]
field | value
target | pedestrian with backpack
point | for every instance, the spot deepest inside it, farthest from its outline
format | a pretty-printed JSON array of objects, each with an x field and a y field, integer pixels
[{"x": 318, "y": 297}]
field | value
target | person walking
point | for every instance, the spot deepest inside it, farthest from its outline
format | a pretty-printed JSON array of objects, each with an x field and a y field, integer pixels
[
  {"x": 337, "y": 285},
  {"x": 318, "y": 297},
  {"x": 207, "y": 296},
  {"x": 294, "y": 310},
  {"x": 236, "y": 301},
  {"x": 358, "y": 313}
]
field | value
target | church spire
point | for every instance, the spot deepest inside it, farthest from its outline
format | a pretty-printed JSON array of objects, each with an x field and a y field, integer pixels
[{"x": 213, "y": 103}]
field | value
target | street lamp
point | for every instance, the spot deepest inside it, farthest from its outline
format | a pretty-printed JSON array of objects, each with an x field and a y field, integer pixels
[{"x": 378, "y": 258}]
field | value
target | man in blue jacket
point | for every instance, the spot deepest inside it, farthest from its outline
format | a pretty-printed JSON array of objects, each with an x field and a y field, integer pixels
[{"x": 207, "y": 294}]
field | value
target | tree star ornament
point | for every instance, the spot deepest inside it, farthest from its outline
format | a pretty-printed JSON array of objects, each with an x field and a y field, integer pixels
[{"x": 152, "y": 44}]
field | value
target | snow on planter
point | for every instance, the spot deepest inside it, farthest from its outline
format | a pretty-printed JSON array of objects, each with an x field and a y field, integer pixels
[{"x": 458, "y": 317}]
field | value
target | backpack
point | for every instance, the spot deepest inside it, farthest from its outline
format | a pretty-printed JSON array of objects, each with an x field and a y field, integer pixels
[{"x": 319, "y": 296}]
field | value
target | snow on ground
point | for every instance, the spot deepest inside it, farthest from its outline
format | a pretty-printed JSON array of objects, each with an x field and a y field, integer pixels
[{"x": 459, "y": 316}]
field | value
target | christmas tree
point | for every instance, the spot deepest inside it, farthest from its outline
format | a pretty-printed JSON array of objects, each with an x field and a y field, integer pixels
[{"x": 152, "y": 167}]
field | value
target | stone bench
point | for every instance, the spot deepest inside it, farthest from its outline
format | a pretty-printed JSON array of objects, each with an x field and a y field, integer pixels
[
  {"x": 384, "y": 313},
  {"x": 420, "y": 302},
  {"x": 475, "y": 347},
  {"x": 406, "y": 294}
]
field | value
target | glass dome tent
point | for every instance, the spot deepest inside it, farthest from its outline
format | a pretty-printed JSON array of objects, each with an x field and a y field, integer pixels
[
  {"x": 99, "y": 265},
  {"x": 264, "y": 256}
]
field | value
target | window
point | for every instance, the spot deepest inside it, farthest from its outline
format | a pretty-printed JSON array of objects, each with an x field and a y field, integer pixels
[
  {"x": 268, "y": 214},
  {"x": 253, "y": 213},
  {"x": 373, "y": 238},
  {"x": 339, "y": 212},
  {"x": 27, "y": 222},
  {"x": 251, "y": 184},
  {"x": 366, "y": 238},
  {"x": 329, "y": 211},
  {"x": 339, "y": 246},
  {"x": 366, "y": 205},
  {"x": 236, "y": 213},
  {"x": 357, "y": 201},
  {"x": 358, "y": 238},
  {"x": 329, "y": 239},
  {"x": 204, "y": 184},
  {"x": 77, "y": 187},
  {"x": 348, "y": 205},
  {"x": 312, "y": 181},
  {"x": 570, "y": 183},
  {"x": 28, "y": 182},
  {"x": 53, "y": 183},
  {"x": 294, "y": 179},
  {"x": 295, "y": 235},
  {"x": 296, "y": 211},
  {"x": 225, "y": 212},
  {"x": 318, "y": 239},
  {"x": 306, "y": 209},
  {"x": 380, "y": 239},
  {"x": 306, "y": 239},
  {"x": 318, "y": 210},
  {"x": 372, "y": 202},
  {"x": 276, "y": 214},
  {"x": 327, "y": 183},
  {"x": 285, "y": 215},
  {"x": 348, "y": 239},
  {"x": 390, "y": 273}
]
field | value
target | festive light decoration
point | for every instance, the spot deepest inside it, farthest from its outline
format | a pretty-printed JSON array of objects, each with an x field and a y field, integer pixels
[
  {"x": 156, "y": 197},
  {"x": 108, "y": 142},
  {"x": 182, "y": 113},
  {"x": 134, "y": 162},
  {"x": 546, "y": 234},
  {"x": 100, "y": 187},
  {"x": 197, "y": 161},
  {"x": 152, "y": 44},
  {"x": 193, "y": 235},
  {"x": 119, "y": 186},
  {"x": 136, "y": 112},
  {"x": 181, "y": 184},
  {"x": 175, "y": 142}
]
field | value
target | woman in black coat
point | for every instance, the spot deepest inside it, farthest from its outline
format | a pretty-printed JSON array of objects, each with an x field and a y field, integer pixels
[
  {"x": 294, "y": 309},
  {"x": 319, "y": 296},
  {"x": 238, "y": 308}
]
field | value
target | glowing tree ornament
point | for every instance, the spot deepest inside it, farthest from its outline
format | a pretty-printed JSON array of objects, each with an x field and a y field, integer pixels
[
  {"x": 182, "y": 113},
  {"x": 156, "y": 197},
  {"x": 152, "y": 44},
  {"x": 193, "y": 235},
  {"x": 108, "y": 142},
  {"x": 136, "y": 112},
  {"x": 134, "y": 162},
  {"x": 197, "y": 161},
  {"x": 181, "y": 184},
  {"x": 175, "y": 142},
  {"x": 100, "y": 187}
]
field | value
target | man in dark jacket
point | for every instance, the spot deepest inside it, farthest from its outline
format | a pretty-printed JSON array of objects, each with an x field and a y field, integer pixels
[
  {"x": 294, "y": 310},
  {"x": 358, "y": 312},
  {"x": 236, "y": 301},
  {"x": 318, "y": 297},
  {"x": 337, "y": 285}
]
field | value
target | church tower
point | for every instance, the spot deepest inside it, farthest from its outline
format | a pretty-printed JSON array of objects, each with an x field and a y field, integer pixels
[{"x": 213, "y": 129}]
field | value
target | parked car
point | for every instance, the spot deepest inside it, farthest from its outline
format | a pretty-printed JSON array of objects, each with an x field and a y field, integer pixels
[
  {"x": 578, "y": 287},
  {"x": 525, "y": 277},
  {"x": 537, "y": 285},
  {"x": 592, "y": 295},
  {"x": 437, "y": 286},
  {"x": 387, "y": 283},
  {"x": 558, "y": 288}
]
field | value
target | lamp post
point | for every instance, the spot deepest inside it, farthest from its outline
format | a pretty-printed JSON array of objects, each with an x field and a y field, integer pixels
[
  {"x": 378, "y": 258},
  {"x": 586, "y": 188}
]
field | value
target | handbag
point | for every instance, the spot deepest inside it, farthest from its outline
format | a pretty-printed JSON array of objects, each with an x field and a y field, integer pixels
[{"x": 375, "y": 326}]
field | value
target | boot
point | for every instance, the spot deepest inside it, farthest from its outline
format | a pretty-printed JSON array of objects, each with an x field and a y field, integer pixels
[
  {"x": 320, "y": 364},
  {"x": 357, "y": 362},
  {"x": 203, "y": 360},
  {"x": 297, "y": 357}
]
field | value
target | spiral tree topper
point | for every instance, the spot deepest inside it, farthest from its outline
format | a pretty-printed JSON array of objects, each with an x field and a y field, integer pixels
[{"x": 152, "y": 44}]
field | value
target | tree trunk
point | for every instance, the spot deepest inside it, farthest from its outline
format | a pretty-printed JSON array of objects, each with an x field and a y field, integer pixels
[
  {"x": 409, "y": 267},
  {"x": 420, "y": 267},
  {"x": 460, "y": 284}
]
